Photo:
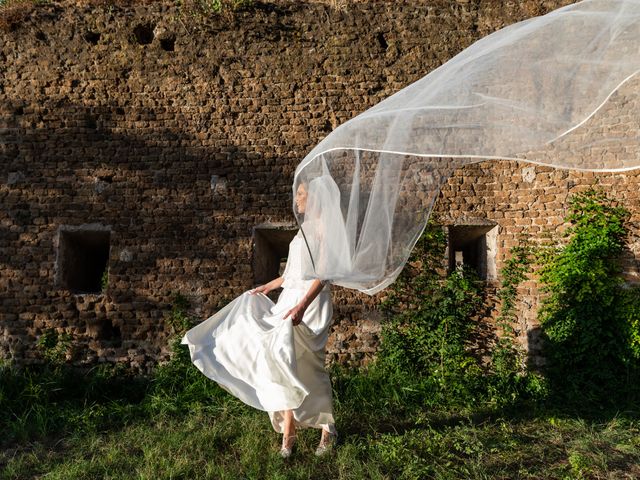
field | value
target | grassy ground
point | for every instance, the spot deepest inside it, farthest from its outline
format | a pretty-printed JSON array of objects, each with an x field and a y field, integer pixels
[{"x": 381, "y": 437}]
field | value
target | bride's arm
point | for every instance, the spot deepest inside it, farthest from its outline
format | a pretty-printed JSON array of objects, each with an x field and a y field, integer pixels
[
  {"x": 267, "y": 287},
  {"x": 297, "y": 312}
]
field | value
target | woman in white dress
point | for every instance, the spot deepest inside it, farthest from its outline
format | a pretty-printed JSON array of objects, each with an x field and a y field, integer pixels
[{"x": 271, "y": 356}]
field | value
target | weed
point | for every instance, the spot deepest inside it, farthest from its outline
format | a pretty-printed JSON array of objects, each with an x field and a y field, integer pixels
[
  {"x": 104, "y": 280},
  {"x": 54, "y": 346}
]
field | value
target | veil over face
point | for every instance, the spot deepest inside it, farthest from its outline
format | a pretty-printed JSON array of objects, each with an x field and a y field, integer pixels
[
  {"x": 560, "y": 90},
  {"x": 323, "y": 228}
]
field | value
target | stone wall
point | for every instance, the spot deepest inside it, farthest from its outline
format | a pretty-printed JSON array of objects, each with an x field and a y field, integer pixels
[{"x": 178, "y": 135}]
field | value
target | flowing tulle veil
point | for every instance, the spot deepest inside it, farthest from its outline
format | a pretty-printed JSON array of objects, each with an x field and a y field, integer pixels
[{"x": 551, "y": 90}]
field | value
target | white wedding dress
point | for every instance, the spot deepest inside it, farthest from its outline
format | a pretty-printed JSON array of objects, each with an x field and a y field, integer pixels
[{"x": 256, "y": 355}]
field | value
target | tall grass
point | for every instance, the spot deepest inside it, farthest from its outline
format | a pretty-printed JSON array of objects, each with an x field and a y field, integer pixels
[
  {"x": 237, "y": 443},
  {"x": 103, "y": 423}
]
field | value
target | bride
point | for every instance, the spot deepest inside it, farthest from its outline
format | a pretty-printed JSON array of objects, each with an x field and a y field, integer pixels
[{"x": 271, "y": 356}]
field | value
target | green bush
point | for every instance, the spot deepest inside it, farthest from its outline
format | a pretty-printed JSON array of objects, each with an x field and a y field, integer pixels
[
  {"x": 588, "y": 316},
  {"x": 431, "y": 322},
  {"x": 54, "y": 346},
  {"x": 430, "y": 340}
]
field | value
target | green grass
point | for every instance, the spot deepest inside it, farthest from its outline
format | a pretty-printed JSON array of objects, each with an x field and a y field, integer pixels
[
  {"x": 239, "y": 443},
  {"x": 387, "y": 432}
]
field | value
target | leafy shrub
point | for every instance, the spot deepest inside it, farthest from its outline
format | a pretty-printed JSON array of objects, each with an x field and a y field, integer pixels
[
  {"x": 589, "y": 320},
  {"x": 510, "y": 379},
  {"x": 54, "y": 346},
  {"x": 429, "y": 325},
  {"x": 433, "y": 319},
  {"x": 432, "y": 339}
]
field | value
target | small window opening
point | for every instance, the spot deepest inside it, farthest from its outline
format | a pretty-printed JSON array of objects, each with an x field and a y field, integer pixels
[
  {"x": 83, "y": 256},
  {"x": 474, "y": 246},
  {"x": 143, "y": 34},
  {"x": 270, "y": 250},
  {"x": 168, "y": 44},
  {"x": 90, "y": 122},
  {"x": 110, "y": 333},
  {"x": 382, "y": 41},
  {"x": 105, "y": 331},
  {"x": 92, "y": 37}
]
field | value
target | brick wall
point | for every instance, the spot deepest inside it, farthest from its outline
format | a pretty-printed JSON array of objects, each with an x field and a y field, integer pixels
[{"x": 179, "y": 134}]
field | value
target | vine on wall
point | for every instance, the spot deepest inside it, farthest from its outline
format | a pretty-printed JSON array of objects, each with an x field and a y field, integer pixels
[{"x": 589, "y": 316}]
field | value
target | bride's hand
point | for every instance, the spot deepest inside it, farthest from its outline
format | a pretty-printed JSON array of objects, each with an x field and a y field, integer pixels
[
  {"x": 261, "y": 289},
  {"x": 296, "y": 314}
]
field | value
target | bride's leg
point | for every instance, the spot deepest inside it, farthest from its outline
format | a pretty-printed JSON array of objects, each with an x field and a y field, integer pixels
[
  {"x": 288, "y": 434},
  {"x": 329, "y": 433},
  {"x": 327, "y": 439},
  {"x": 289, "y": 424}
]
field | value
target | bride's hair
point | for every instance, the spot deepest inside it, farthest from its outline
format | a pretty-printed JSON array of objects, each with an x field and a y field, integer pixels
[{"x": 305, "y": 183}]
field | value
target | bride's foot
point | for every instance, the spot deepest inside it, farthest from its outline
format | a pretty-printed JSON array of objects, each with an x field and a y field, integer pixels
[
  {"x": 328, "y": 441},
  {"x": 287, "y": 445}
]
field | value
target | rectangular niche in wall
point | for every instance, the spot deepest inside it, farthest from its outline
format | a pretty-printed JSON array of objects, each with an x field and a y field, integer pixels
[
  {"x": 270, "y": 250},
  {"x": 474, "y": 243},
  {"x": 83, "y": 255}
]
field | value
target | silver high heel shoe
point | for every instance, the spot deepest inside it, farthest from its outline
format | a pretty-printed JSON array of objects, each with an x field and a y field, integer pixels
[
  {"x": 327, "y": 443},
  {"x": 287, "y": 445}
]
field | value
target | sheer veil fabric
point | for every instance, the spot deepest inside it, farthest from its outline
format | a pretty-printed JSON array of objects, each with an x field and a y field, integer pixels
[{"x": 558, "y": 90}]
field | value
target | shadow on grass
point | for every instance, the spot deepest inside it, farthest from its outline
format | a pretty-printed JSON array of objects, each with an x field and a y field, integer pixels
[
  {"x": 370, "y": 405},
  {"x": 365, "y": 403}
]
